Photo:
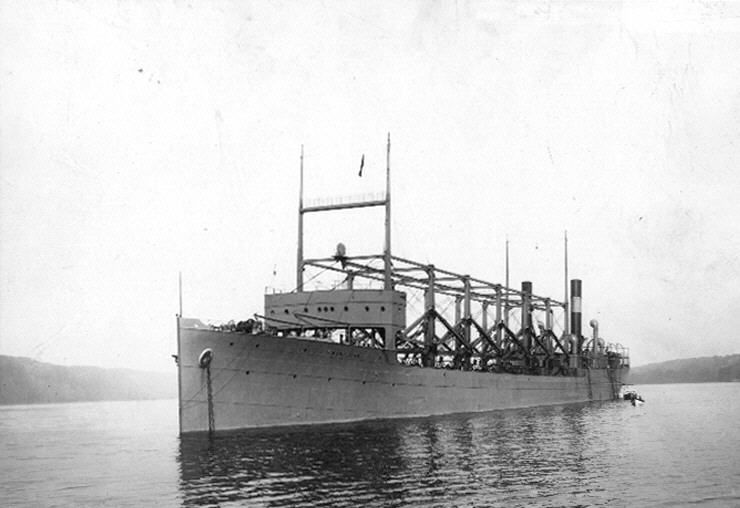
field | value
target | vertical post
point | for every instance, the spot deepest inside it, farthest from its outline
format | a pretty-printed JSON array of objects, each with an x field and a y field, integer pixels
[
  {"x": 506, "y": 302},
  {"x": 429, "y": 311},
  {"x": 429, "y": 304},
  {"x": 466, "y": 309},
  {"x": 507, "y": 262},
  {"x": 548, "y": 325},
  {"x": 299, "y": 263},
  {"x": 498, "y": 315},
  {"x": 458, "y": 343},
  {"x": 387, "y": 251},
  {"x": 390, "y": 341},
  {"x": 484, "y": 316},
  {"x": 179, "y": 291},
  {"x": 566, "y": 324},
  {"x": 458, "y": 301}
]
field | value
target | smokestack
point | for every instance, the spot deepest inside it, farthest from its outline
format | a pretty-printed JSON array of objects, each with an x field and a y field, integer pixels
[
  {"x": 575, "y": 311},
  {"x": 526, "y": 304},
  {"x": 526, "y": 311}
]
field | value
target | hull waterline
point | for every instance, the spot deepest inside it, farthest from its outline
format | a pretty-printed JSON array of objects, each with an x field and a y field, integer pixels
[{"x": 260, "y": 380}]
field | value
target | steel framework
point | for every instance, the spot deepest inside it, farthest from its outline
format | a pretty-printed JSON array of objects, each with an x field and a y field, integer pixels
[{"x": 465, "y": 322}]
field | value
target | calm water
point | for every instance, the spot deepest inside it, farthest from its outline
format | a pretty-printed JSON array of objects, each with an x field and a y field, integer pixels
[{"x": 682, "y": 448}]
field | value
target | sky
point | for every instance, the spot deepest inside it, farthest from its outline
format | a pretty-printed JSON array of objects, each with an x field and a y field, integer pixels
[{"x": 142, "y": 139}]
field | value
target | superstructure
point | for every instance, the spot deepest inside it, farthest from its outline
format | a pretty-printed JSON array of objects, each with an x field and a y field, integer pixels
[{"x": 356, "y": 351}]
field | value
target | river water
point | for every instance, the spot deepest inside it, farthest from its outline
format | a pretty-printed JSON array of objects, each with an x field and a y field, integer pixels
[{"x": 682, "y": 448}]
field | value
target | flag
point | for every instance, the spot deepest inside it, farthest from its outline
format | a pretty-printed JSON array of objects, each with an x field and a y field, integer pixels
[{"x": 362, "y": 165}]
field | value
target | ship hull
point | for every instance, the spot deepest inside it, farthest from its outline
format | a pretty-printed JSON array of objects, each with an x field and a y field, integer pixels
[{"x": 260, "y": 380}]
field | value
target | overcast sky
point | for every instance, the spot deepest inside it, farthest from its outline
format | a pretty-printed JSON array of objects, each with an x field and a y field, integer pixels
[{"x": 139, "y": 139}]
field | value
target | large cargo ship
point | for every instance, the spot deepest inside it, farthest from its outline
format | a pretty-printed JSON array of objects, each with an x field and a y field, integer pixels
[{"x": 352, "y": 353}]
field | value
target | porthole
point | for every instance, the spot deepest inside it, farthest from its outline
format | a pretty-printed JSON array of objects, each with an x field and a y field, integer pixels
[
  {"x": 382, "y": 309},
  {"x": 367, "y": 309},
  {"x": 332, "y": 309},
  {"x": 247, "y": 373},
  {"x": 346, "y": 308}
]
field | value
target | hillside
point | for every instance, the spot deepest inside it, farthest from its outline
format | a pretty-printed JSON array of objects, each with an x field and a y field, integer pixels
[
  {"x": 26, "y": 381},
  {"x": 708, "y": 369}
]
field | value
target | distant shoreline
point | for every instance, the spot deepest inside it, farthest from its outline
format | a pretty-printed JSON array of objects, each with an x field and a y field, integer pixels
[
  {"x": 14, "y": 404},
  {"x": 26, "y": 381},
  {"x": 709, "y": 369}
]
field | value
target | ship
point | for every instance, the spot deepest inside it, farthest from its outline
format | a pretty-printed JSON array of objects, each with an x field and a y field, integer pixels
[{"x": 356, "y": 351}]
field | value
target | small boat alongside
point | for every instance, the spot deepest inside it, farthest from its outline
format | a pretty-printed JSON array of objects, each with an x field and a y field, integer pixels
[{"x": 633, "y": 397}]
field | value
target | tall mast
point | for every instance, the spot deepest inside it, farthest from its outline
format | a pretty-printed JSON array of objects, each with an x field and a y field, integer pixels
[
  {"x": 506, "y": 294},
  {"x": 179, "y": 290},
  {"x": 387, "y": 251},
  {"x": 507, "y": 262},
  {"x": 565, "y": 284},
  {"x": 299, "y": 264}
]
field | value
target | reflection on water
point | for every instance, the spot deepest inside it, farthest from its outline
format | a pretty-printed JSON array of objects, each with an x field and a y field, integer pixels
[
  {"x": 533, "y": 456},
  {"x": 682, "y": 448}
]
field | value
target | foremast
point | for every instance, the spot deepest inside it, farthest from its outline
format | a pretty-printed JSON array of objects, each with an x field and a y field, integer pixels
[{"x": 385, "y": 202}]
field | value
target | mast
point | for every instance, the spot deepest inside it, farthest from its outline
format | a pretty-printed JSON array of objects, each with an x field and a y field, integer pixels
[
  {"x": 179, "y": 290},
  {"x": 506, "y": 296},
  {"x": 507, "y": 262},
  {"x": 299, "y": 263},
  {"x": 387, "y": 250},
  {"x": 320, "y": 207},
  {"x": 565, "y": 284}
]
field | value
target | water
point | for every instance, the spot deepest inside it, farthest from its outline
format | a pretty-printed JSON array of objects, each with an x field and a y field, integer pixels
[{"x": 682, "y": 448}]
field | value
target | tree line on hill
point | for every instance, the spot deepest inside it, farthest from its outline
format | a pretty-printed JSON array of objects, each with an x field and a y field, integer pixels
[
  {"x": 710, "y": 369},
  {"x": 27, "y": 381}
]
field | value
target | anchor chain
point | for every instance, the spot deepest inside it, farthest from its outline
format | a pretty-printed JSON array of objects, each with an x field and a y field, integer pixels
[{"x": 204, "y": 361}]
